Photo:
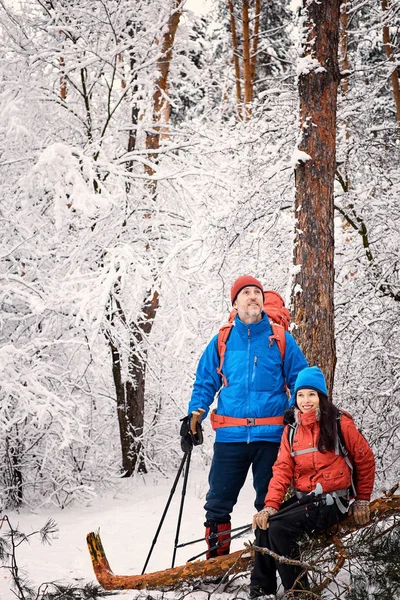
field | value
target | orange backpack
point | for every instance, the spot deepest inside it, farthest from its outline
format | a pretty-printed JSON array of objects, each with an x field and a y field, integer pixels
[{"x": 279, "y": 317}]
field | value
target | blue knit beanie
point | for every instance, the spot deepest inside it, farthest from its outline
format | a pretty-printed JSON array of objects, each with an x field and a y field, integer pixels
[{"x": 311, "y": 378}]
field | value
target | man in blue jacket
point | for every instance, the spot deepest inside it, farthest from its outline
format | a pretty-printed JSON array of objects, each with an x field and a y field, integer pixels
[{"x": 252, "y": 403}]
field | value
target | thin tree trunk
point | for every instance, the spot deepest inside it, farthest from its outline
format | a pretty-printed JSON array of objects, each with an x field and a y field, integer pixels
[
  {"x": 389, "y": 53},
  {"x": 236, "y": 62},
  {"x": 344, "y": 55},
  {"x": 134, "y": 113},
  {"x": 249, "y": 45},
  {"x": 63, "y": 81},
  {"x": 14, "y": 480},
  {"x": 128, "y": 458},
  {"x": 130, "y": 393},
  {"x": 160, "y": 97},
  {"x": 247, "y": 79},
  {"x": 256, "y": 39},
  {"x": 313, "y": 284},
  {"x": 135, "y": 386},
  {"x": 343, "y": 169}
]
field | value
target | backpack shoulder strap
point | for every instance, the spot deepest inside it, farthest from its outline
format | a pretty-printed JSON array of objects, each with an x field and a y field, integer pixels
[
  {"x": 223, "y": 335},
  {"x": 341, "y": 447},
  {"x": 278, "y": 334},
  {"x": 340, "y": 438},
  {"x": 292, "y": 428}
]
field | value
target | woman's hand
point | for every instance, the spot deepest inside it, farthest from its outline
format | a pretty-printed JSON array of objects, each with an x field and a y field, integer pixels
[
  {"x": 361, "y": 512},
  {"x": 261, "y": 518}
]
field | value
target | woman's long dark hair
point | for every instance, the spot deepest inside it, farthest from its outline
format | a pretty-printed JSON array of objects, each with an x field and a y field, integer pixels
[{"x": 327, "y": 424}]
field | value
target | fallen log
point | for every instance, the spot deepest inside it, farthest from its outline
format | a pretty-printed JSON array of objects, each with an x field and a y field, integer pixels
[
  {"x": 236, "y": 562},
  {"x": 201, "y": 569}
]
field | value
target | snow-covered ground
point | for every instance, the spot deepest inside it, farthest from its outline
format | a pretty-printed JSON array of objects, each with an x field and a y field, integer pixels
[{"x": 128, "y": 517}]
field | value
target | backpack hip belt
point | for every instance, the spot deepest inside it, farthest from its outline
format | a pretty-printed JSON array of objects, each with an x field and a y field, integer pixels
[
  {"x": 336, "y": 495},
  {"x": 225, "y": 421}
]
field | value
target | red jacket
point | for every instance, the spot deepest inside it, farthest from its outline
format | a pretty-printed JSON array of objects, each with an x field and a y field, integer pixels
[{"x": 327, "y": 468}]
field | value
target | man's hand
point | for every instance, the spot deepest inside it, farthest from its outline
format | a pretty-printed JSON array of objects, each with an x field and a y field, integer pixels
[
  {"x": 261, "y": 519},
  {"x": 186, "y": 438},
  {"x": 361, "y": 512},
  {"x": 191, "y": 431}
]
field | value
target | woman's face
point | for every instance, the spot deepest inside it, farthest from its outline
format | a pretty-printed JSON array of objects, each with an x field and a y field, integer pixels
[{"x": 307, "y": 400}]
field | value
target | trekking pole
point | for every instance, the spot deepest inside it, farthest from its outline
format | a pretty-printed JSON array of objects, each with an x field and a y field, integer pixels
[
  {"x": 244, "y": 527},
  {"x": 195, "y": 432},
  {"x": 185, "y": 456},
  {"x": 219, "y": 544},
  {"x": 178, "y": 526}
]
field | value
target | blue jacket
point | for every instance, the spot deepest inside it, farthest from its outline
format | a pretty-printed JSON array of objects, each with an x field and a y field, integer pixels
[{"x": 256, "y": 379}]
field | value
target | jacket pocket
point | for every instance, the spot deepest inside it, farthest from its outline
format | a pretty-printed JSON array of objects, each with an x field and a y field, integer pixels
[{"x": 337, "y": 479}]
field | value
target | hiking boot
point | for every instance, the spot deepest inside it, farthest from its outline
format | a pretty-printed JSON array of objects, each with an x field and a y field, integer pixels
[
  {"x": 259, "y": 592},
  {"x": 218, "y": 537}
]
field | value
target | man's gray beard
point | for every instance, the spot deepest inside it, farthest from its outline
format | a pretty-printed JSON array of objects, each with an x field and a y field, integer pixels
[{"x": 254, "y": 314}]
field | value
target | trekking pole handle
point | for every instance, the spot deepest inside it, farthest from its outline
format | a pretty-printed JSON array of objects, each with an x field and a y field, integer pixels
[{"x": 196, "y": 417}]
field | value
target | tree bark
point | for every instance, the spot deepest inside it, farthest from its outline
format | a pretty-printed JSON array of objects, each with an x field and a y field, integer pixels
[{"x": 313, "y": 282}]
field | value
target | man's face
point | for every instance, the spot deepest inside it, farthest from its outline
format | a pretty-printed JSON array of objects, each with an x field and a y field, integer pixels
[{"x": 249, "y": 304}]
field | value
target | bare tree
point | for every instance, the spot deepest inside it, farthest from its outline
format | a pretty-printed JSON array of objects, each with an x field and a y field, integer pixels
[{"x": 130, "y": 393}]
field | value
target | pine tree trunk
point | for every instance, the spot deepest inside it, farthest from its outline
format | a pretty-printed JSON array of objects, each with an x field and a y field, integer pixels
[{"x": 313, "y": 285}]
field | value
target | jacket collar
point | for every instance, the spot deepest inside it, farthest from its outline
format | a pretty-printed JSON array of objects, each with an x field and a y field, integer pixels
[
  {"x": 308, "y": 418},
  {"x": 262, "y": 326}
]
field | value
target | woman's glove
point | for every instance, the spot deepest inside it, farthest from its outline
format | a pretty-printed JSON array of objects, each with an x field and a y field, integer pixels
[
  {"x": 261, "y": 519},
  {"x": 361, "y": 512}
]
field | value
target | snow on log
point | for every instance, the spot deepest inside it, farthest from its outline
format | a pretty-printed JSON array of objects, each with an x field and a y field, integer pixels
[{"x": 215, "y": 567}]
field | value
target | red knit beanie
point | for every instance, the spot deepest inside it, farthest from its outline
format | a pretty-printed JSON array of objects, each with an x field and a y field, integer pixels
[{"x": 243, "y": 282}]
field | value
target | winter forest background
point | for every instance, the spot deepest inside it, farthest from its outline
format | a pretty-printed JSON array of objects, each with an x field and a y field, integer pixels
[{"x": 137, "y": 182}]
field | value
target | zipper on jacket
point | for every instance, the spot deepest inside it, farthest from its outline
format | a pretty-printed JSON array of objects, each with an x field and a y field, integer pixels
[
  {"x": 248, "y": 382},
  {"x": 254, "y": 368}
]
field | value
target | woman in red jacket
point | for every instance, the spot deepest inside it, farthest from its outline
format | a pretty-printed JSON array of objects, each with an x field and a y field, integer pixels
[{"x": 311, "y": 460}]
